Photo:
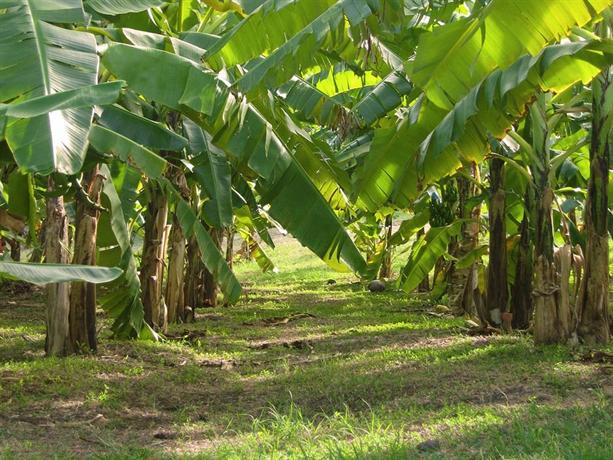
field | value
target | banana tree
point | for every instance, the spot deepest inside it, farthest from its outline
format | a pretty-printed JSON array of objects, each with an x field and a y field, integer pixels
[
  {"x": 593, "y": 304},
  {"x": 47, "y": 99}
]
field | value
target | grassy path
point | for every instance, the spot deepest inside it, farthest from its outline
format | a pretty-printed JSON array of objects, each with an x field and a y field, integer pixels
[{"x": 301, "y": 369}]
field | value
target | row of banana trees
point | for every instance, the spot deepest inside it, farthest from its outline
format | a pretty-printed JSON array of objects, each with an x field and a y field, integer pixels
[{"x": 138, "y": 138}]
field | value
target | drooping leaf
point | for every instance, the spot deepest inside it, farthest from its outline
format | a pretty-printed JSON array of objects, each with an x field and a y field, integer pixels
[
  {"x": 383, "y": 98},
  {"x": 309, "y": 103},
  {"x": 86, "y": 96},
  {"x": 107, "y": 141},
  {"x": 265, "y": 30},
  {"x": 212, "y": 258},
  {"x": 446, "y": 137},
  {"x": 214, "y": 174},
  {"x": 192, "y": 89},
  {"x": 453, "y": 58},
  {"x": 42, "y": 274},
  {"x": 141, "y": 130},
  {"x": 246, "y": 228},
  {"x": 123, "y": 299},
  {"x": 490, "y": 108},
  {"x": 427, "y": 250},
  {"x": 243, "y": 133},
  {"x": 115, "y": 7},
  {"x": 299, "y": 46}
]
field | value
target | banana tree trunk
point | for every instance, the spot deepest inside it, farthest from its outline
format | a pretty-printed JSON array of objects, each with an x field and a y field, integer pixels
[
  {"x": 424, "y": 285},
  {"x": 38, "y": 252},
  {"x": 497, "y": 296},
  {"x": 152, "y": 266},
  {"x": 57, "y": 342},
  {"x": 175, "y": 300},
  {"x": 521, "y": 291},
  {"x": 552, "y": 318},
  {"x": 83, "y": 295},
  {"x": 209, "y": 283},
  {"x": 230, "y": 247},
  {"x": 386, "y": 264},
  {"x": 552, "y": 310},
  {"x": 461, "y": 286},
  {"x": 15, "y": 249},
  {"x": 593, "y": 299},
  {"x": 192, "y": 278}
]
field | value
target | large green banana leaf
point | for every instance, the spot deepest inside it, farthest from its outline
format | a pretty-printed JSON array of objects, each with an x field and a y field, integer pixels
[
  {"x": 315, "y": 158},
  {"x": 384, "y": 97},
  {"x": 491, "y": 106},
  {"x": 213, "y": 173},
  {"x": 452, "y": 59},
  {"x": 42, "y": 274},
  {"x": 294, "y": 43},
  {"x": 107, "y": 141},
  {"x": 141, "y": 130},
  {"x": 265, "y": 30},
  {"x": 310, "y": 104},
  {"x": 85, "y": 96},
  {"x": 240, "y": 130},
  {"x": 114, "y": 7},
  {"x": 390, "y": 154},
  {"x": 445, "y": 137},
  {"x": 389, "y": 170},
  {"x": 46, "y": 59}
]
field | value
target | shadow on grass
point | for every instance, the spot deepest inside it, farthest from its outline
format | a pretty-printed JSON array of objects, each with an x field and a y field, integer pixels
[{"x": 372, "y": 382}]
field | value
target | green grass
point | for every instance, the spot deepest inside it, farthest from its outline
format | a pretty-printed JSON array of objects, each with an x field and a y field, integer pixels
[{"x": 368, "y": 376}]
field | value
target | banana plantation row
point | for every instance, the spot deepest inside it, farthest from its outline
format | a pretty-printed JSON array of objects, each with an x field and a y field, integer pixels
[{"x": 139, "y": 139}]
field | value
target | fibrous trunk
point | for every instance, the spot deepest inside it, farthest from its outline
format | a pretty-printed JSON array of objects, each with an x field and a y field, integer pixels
[
  {"x": 386, "y": 264},
  {"x": 593, "y": 299},
  {"x": 83, "y": 295},
  {"x": 209, "y": 283},
  {"x": 230, "y": 247},
  {"x": 521, "y": 291},
  {"x": 57, "y": 342},
  {"x": 192, "y": 279},
  {"x": 462, "y": 285},
  {"x": 152, "y": 268},
  {"x": 552, "y": 314},
  {"x": 15, "y": 249},
  {"x": 175, "y": 301},
  {"x": 424, "y": 285},
  {"x": 497, "y": 292}
]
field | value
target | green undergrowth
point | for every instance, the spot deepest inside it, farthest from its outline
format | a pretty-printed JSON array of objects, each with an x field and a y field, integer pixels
[{"x": 308, "y": 365}]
